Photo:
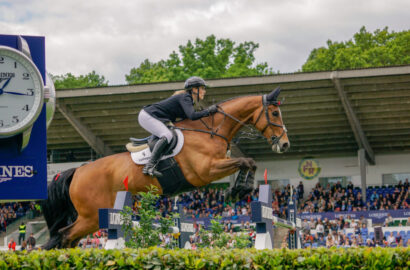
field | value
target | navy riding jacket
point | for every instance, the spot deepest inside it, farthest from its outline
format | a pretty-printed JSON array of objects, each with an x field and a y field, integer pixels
[{"x": 178, "y": 106}]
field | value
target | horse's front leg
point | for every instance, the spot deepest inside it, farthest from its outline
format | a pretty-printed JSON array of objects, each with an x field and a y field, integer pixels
[
  {"x": 244, "y": 181},
  {"x": 224, "y": 167}
]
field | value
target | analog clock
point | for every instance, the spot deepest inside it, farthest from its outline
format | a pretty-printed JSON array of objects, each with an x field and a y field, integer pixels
[{"x": 21, "y": 92}]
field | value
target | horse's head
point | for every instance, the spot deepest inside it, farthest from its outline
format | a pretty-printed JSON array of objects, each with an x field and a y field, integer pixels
[{"x": 268, "y": 120}]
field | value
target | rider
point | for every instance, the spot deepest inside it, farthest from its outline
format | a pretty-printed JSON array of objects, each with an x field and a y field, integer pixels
[{"x": 154, "y": 117}]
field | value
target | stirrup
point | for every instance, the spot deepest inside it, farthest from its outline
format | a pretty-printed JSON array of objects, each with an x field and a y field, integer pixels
[{"x": 152, "y": 171}]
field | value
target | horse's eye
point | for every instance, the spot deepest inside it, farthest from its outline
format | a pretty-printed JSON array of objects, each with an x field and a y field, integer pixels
[{"x": 275, "y": 113}]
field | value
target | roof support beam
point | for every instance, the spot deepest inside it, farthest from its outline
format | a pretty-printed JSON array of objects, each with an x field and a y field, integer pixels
[
  {"x": 358, "y": 132},
  {"x": 93, "y": 141}
]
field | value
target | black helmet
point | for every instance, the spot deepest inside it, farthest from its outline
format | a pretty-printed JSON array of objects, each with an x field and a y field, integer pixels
[{"x": 194, "y": 82}]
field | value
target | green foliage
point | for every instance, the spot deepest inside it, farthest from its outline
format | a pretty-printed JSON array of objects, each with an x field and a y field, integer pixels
[
  {"x": 158, "y": 258},
  {"x": 146, "y": 235},
  {"x": 69, "y": 81},
  {"x": 209, "y": 58},
  {"x": 217, "y": 238},
  {"x": 381, "y": 48}
]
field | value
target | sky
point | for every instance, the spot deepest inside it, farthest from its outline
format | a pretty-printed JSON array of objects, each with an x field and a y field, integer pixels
[{"x": 112, "y": 37}]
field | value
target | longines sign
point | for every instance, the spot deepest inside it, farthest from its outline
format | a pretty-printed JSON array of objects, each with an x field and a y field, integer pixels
[
  {"x": 21, "y": 178},
  {"x": 11, "y": 172}
]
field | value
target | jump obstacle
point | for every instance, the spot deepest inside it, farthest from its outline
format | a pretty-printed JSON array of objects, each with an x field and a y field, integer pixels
[{"x": 111, "y": 219}]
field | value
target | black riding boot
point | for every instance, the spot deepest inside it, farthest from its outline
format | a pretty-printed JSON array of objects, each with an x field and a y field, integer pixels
[{"x": 156, "y": 154}]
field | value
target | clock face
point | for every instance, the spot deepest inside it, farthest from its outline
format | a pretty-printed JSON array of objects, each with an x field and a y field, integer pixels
[{"x": 21, "y": 92}]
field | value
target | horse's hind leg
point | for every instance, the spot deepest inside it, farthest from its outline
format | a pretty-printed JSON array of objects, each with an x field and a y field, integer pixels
[{"x": 73, "y": 233}]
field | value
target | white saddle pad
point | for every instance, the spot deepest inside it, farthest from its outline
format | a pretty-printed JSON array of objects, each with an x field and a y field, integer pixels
[{"x": 142, "y": 157}]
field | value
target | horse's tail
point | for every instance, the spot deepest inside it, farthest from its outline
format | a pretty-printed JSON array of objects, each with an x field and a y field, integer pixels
[{"x": 58, "y": 209}]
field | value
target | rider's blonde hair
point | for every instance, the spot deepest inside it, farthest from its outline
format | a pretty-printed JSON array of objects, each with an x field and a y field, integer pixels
[{"x": 178, "y": 92}]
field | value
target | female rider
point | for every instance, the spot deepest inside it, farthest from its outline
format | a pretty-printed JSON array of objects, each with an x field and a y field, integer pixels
[{"x": 153, "y": 117}]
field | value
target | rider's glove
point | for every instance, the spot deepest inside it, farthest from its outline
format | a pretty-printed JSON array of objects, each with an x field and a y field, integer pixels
[{"x": 212, "y": 109}]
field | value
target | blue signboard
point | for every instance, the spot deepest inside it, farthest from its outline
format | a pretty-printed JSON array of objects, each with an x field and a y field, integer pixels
[{"x": 23, "y": 175}]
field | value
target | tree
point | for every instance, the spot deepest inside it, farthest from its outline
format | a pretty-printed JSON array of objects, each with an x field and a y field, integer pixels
[
  {"x": 381, "y": 48},
  {"x": 209, "y": 58},
  {"x": 69, "y": 81}
]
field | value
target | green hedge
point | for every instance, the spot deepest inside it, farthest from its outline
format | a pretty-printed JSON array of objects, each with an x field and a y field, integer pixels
[{"x": 156, "y": 258}]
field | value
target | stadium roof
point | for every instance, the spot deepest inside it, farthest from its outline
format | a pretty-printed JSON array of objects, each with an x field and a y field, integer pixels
[{"x": 327, "y": 114}]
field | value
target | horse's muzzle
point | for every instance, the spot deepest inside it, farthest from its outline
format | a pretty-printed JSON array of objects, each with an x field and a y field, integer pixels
[{"x": 280, "y": 147}]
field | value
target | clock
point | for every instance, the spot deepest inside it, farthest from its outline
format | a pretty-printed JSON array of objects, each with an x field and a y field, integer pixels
[{"x": 21, "y": 91}]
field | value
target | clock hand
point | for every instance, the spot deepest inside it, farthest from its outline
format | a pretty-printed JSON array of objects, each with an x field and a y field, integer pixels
[
  {"x": 15, "y": 93},
  {"x": 6, "y": 83}
]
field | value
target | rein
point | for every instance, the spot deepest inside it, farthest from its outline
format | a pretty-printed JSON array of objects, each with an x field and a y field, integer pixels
[{"x": 213, "y": 132}]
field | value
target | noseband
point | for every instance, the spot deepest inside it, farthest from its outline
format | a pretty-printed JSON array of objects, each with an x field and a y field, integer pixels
[{"x": 266, "y": 103}]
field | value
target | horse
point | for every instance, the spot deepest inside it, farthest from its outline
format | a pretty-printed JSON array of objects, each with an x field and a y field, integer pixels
[{"x": 75, "y": 195}]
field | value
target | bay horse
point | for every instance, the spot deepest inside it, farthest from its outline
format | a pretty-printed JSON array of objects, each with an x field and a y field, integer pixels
[{"x": 75, "y": 195}]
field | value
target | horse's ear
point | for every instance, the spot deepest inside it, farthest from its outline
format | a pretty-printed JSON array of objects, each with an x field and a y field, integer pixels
[{"x": 273, "y": 96}]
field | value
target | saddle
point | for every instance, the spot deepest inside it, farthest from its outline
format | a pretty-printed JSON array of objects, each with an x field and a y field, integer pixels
[
  {"x": 136, "y": 145},
  {"x": 141, "y": 148}
]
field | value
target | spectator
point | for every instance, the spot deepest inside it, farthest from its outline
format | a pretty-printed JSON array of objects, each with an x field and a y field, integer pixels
[
  {"x": 300, "y": 190},
  {"x": 320, "y": 229},
  {"x": 31, "y": 242},
  {"x": 22, "y": 232},
  {"x": 398, "y": 238},
  {"x": 329, "y": 241},
  {"x": 23, "y": 245},
  {"x": 391, "y": 239},
  {"x": 354, "y": 242},
  {"x": 12, "y": 245},
  {"x": 389, "y": 220},
  {"x": 305, "y": 225},
  {"x": 346, "y": 243},
  {"x": 322, "y": 241},
  {"x": 370, "y": 243}
]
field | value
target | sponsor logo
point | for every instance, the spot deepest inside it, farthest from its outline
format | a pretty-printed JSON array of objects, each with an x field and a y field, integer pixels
[
  {"x": 187, "y": 227},
  {"x": 378, "y": 215},
  {"x": 304, "y": 216},
  {"x": 116, "y": 219},
  {"x": 309, "y": 168},
  {"x": 267, "y": 213},
  {"x": 7, "y": 75},
  {"x": 10, "y": 172}
]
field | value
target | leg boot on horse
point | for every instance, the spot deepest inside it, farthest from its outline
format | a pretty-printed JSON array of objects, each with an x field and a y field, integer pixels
[
  {"x": 157, "y": 151},
  {"x": 243, "y": 185}
]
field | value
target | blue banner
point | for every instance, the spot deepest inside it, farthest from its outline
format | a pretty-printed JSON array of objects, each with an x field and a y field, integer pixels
[
  {"x": 377, "y": 216},
  {"x": 23, "y": 176}
]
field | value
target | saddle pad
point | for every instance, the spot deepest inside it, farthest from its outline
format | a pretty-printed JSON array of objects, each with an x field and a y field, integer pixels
[{"x": 142, "y": 157}]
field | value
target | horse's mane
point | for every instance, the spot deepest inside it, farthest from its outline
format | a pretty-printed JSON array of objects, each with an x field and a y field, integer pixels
[{"x": 232, "y": 98}]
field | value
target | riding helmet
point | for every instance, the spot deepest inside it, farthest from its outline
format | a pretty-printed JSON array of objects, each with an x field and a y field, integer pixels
[{"x": 194, "y": 81}]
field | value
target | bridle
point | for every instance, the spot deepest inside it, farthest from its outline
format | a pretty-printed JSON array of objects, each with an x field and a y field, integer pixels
[
  {"x": 266, "y": 103},
  {"x": 214, "y": 131}
]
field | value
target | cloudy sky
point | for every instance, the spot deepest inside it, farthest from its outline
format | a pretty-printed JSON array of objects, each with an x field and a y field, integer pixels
[{"x": 111, "y": 37}]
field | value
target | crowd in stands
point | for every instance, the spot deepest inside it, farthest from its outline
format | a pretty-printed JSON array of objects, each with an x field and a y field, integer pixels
[
  {"x": 202, "y": 203},
  {"x": 10, "y": 212},
  {"x": 337, "y": 198},
  {"x": 347, "y": 232},
  {"x": 210, "y": 202}
]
